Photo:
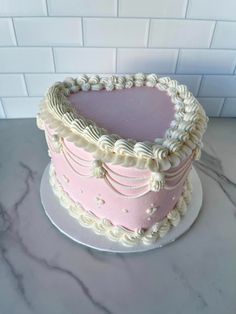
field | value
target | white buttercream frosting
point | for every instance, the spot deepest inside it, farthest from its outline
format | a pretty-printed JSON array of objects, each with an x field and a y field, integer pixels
[
  {"x": 97, "y": 169},
  {"x": 56, "y": 143},
  {"x": 157, "y": 181}
]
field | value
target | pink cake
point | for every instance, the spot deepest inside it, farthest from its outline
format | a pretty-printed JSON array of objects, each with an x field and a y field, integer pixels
[{"x": 122, "y": 148}]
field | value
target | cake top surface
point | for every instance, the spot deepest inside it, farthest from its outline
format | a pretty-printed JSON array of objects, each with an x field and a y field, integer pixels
[{"x": 140, "y": 113}]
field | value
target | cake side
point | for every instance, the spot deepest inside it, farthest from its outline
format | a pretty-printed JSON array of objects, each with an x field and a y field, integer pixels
[{"x": 126, "y": 196}]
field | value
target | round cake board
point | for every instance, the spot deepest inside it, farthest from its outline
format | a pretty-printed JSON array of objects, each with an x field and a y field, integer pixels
[{"x": 69, "y": 226}]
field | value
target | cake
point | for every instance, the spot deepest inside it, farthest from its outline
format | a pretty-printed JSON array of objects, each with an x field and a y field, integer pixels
[{"x": 121, "y": 150}]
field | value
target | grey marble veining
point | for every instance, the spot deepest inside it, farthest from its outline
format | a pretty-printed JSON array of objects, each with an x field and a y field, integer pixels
[{"x": 42, "y": 271}]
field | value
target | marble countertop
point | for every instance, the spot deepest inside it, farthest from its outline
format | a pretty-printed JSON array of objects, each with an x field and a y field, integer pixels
[{"x": 42, "y": 271}]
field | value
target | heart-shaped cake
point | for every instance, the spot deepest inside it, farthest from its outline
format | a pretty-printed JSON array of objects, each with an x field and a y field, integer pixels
[{"x": 122, "y": 148}]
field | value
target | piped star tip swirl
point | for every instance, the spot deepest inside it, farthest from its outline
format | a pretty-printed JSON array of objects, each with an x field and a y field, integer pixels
[
  {"x": 157, "y": 181},
  {"x": 98, "y": 170},
  {"x": 181, "y": 139}
]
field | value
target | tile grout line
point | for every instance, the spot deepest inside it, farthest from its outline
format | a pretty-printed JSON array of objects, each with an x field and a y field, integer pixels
[
  {"x": 116, "y": 54},
  {"x": 117, "y": 8},
  {"x": 161, "y": 73},
  {"x": 212, "y": 35},
  {"x": 14, "y": 30},
  {"x": 177, "y": 61},
  {"x": 53, "y": 59},
  {"x": 234, "y": 70},
  {"x": 114, "y": 17},
  {"x": 26, "y": 87},
  {"x": 222, "y": 107},
  {"x": 46, "y": 5},
  {"x": 82, "y": 30},
  {"x": 120, "y": 47},
  {"x": 148, "y": 33},
  {"x": 200, "y": 85},
  {"x": 3, "y": 108},
  {"x": 186, "y": 11}
]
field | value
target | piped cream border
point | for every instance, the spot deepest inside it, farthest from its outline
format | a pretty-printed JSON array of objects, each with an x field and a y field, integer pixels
[
  {"x": 118, "y": 233},
  {"x": 180, "y": 140}
]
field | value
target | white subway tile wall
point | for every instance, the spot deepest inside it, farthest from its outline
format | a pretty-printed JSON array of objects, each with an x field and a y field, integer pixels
[
  {"x": 7, "y": 37},
  {"x": 26, "y": 108},
  {"x": 43, "y": 41},
  {"x": 115, "y": 32},
  {"x": 212, "y": 105},
  {"x": 54, "y": 31},
  {"x": 22, "y": 59},
  {"x": 85, "y": 60},
  {"x": 218, "y": 86},
  {"x": 12, "y": 85},
  {"x": 153, "y": 8},
  {"x": 229, "y": 109},
  {"x": 82, "y": 8},
  {"x": 181, "y": 33},
  {"x": 146, "y": 60},
  {"x": 23, "y": 8},
  {"x": 212, "y": 9},
  {"x": 207, "y": 61},
  {"x": 225, "y": 35}
]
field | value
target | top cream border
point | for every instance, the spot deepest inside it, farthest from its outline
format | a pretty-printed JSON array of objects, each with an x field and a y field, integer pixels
[{"x": 182, "y": 139}]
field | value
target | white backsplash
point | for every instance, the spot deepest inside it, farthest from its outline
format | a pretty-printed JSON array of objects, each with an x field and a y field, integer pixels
[{"x": 43, "y": 41}]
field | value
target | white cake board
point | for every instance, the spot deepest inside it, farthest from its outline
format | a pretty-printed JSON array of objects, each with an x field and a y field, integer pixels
[{"x": 61, "y": 219}]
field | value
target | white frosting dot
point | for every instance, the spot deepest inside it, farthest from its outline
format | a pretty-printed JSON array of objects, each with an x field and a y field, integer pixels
[
  {"x": 100, "y": 201},
  {"x": 151, "y": 210},
  {"x": 66, "y": 179}
]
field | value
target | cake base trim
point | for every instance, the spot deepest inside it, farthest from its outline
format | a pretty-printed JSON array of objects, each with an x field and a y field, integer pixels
[{"x": 120, "y": 233}]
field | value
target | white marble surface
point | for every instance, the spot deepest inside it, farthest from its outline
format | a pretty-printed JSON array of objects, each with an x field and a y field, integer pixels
[{"x": 42, "y": 271}]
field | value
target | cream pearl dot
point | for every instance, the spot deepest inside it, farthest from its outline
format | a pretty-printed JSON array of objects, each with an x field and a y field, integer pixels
[
  {"x": 100, "y": 201},
  {"x": 66, "y": 179},
  {"x": 151, "y": 210}
]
